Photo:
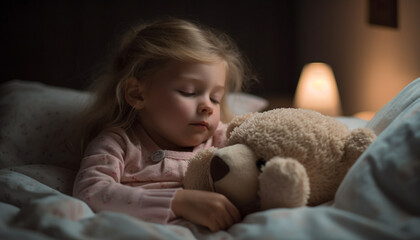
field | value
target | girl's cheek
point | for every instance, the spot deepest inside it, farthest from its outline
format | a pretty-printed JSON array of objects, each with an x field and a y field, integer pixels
[
  {"x": 216, "y": 115},
  {"x": 181, "y": 107}
]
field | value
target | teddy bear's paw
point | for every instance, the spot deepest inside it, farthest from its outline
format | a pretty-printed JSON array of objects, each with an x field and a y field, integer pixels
[{"x": 283, "y": 183}]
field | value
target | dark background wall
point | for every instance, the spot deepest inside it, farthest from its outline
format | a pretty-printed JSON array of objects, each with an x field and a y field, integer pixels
[
  {"x": 65, "y": 42},
  {"x": 372, "y": 62}
]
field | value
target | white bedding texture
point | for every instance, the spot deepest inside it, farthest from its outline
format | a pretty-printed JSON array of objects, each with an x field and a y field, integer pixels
[{"x": 378, "y": 199}]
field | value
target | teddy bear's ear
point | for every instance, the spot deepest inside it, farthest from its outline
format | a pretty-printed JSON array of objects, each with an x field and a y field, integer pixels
[
  {"x": 356, "y": 143},
  {"x": 197, "y": 174},
  {"x": 237, "y": 121}
]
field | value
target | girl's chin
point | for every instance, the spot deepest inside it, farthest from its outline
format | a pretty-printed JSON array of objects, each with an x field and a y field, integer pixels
[{"x": 194, "y": 143}]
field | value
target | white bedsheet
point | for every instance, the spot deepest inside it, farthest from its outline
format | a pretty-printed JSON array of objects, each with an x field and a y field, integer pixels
[{"x": 378, "y": 199}]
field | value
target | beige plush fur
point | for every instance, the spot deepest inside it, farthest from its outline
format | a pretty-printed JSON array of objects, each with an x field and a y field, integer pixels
[{"x": 306, "y": 156}]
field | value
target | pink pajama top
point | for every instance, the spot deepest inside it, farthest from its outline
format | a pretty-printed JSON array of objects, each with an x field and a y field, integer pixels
[{"x": 135, "y": 177}]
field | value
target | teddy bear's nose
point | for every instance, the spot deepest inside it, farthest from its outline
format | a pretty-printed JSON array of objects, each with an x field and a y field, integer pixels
[{"x": 218, "y": 168}]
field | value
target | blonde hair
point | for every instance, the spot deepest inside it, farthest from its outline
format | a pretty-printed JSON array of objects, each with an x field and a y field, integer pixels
[{"x": 142, "y": 52}]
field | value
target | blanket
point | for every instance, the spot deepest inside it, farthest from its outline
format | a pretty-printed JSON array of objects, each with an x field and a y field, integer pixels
[{"x": 378, "y": 199}]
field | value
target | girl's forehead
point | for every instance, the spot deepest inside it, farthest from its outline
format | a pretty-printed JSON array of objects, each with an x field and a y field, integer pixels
[
  {"x": 191, "y": 66},
  {"x": 193, "y": 70}
]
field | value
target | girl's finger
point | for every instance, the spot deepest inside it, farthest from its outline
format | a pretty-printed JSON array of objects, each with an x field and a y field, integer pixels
[{"x": 234, "y": 213}]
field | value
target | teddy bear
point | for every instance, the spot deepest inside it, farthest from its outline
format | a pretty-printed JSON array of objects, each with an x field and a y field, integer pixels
[{"x": 280, "y": 158}]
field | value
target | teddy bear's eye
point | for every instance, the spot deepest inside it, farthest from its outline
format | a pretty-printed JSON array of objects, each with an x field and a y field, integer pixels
[{"x": 260, "y": 164}]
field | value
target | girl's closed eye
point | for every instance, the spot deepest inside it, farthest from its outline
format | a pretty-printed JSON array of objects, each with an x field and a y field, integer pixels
[
  {"x": 215, "y": 100},
  {"x": 187, "y": 93},
  {"x": 217, "y": 97}
]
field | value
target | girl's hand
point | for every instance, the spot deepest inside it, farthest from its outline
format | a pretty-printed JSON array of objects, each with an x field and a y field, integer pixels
[{"x": 209, "y": 209}]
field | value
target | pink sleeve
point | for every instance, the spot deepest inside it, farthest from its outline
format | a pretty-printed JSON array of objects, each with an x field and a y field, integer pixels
[{"x": 98, "y": 183}]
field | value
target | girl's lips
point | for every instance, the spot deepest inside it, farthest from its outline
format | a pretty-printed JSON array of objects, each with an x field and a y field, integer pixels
[{"x": 201, "y": 124}]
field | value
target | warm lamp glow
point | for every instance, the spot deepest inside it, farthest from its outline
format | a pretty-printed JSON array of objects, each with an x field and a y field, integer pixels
[{"x": 317, "y": 90}]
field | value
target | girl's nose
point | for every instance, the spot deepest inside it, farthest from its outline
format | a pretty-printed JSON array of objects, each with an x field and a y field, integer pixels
[{"x": 205, "y": 107}]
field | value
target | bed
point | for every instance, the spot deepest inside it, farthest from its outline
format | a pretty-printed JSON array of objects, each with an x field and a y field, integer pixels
[{"x": 378, "y": 199}]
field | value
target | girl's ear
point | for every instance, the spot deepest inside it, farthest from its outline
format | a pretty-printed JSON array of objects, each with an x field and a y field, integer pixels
[{"x": 134, "y": 93}]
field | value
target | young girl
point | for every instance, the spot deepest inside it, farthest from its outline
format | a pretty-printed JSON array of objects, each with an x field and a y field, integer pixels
[{"x": 159, "y": 104}]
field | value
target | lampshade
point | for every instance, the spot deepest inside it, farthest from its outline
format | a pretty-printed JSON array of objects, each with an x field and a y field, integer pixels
[{"x": 317, "y": 90}]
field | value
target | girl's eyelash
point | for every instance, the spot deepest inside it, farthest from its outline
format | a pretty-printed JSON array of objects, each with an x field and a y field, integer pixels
[
  {"x": 188, "y": 94},
  {"x": 215, "y": 101}
]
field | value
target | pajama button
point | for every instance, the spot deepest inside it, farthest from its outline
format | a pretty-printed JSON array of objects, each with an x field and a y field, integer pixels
[{"x": 158, "y": 156}]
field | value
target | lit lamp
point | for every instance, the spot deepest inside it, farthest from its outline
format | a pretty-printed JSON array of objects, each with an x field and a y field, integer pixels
[{"x": 317, "y": 90}]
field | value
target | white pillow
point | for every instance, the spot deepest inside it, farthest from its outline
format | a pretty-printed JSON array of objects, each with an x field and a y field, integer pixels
[
  {"x": 352, "y": 122},
  {"x": 396, "y": 108},
  {"x": 35, "y": 120},
  {"x": 384, "y": 183},
  {"x": 242, "y": 103}
]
